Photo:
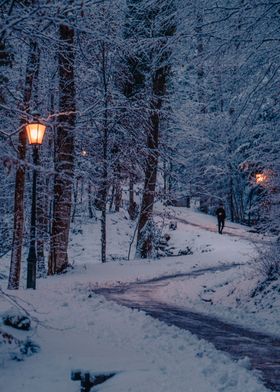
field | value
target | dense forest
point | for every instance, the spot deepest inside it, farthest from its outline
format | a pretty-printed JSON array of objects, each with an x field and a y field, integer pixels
[{"x": 143, "y": 101}]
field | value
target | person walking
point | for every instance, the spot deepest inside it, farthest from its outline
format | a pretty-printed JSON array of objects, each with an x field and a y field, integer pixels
[{"x": 221, "y": 216}]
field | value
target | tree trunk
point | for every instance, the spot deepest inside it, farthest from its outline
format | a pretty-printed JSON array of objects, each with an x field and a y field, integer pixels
[
  {"x": 90, "y": 210},
  {"x": 165, "y": 176},
  {"x": 104, "y": 182},
  {"x": 18, "y": 231},
  {"x": 144, "y": 245},
  {"x": 144, "y": 239},
  {"x": 64, "y": 160},
  {"x": 75, "y": 199},
  {"x": 230, "y": 199},
  {"x": 131, "y": 191},
  {"x": 104, "y": 193},
  {"x": 132, "y": 207},
  {"x": 118, "y": 195},
  {"x": 42, "y": 225},
  {"x": 200, "y": 66},
  {"x": 112, "y": 197}
]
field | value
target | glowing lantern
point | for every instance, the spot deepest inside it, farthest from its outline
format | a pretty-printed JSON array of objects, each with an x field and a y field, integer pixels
[
  {"x": 261, "y": 178},
  {"x": 84, "y": 153},
  {"x": 35, "y": 132}
]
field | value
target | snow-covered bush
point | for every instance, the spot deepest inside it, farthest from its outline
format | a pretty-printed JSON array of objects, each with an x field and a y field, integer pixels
[
  {"x": 16, "y": 349},
  {"x": 16, "y": 319},
  {"x": 269, "y": 260}
]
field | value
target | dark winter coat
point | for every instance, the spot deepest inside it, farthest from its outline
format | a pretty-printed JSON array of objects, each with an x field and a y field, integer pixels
[{"x": 221, "y": 214}]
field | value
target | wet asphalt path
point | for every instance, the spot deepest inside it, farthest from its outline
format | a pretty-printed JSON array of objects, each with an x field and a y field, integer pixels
[{"x": 262, "y": 350}]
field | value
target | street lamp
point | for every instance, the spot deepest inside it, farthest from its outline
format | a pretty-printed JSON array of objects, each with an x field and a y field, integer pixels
[
  {"x": 35, "y": 132},
  {"x": 261, "y": 178}
]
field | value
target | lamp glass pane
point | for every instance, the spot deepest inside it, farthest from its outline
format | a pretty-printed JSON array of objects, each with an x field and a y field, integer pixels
[{"x": 35, "y": 133}]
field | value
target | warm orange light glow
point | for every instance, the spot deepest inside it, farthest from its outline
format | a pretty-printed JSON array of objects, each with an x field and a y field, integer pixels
[
  {"x": 260, "y": 178},
  {"x": 35, "y": 132}
]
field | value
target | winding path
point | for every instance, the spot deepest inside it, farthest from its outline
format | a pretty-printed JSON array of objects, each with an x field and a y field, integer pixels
[
  {"x": 262, "y": 350},
  {"x": 229, "y": 230}
]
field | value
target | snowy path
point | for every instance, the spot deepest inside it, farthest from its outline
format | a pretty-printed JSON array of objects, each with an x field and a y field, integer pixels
[
  {"x": 229, "y": 228},
  {"x": 262, "y": 350},
  {"x": 78, "y": 330}
]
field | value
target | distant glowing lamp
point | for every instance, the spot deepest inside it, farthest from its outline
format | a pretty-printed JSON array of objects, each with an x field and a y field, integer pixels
[
  {"x": 261, "y": 178},
  {"x": 35, "y": 132},
  {"x": 84, "y": 153}
]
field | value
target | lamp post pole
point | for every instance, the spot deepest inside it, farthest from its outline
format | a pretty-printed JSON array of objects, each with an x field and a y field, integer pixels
[
  {"x": 32, "y": 254},
  {"x": 35, "y": 132}
]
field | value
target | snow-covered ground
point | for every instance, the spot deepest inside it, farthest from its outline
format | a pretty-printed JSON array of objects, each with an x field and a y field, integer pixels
[{"x": 76, "y": 329}]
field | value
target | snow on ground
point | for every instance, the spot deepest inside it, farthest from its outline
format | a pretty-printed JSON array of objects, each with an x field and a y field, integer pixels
[
  {"x": 79, "y": 330},
  {"x": 227, "y": 294}
]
